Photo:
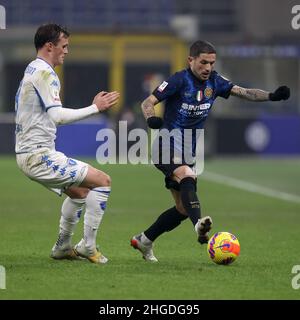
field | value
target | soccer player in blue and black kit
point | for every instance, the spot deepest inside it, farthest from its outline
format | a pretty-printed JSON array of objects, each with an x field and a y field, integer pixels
[{"x": 189, "y": 96}]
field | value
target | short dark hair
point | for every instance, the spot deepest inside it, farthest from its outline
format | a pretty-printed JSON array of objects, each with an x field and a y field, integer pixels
[
  {"x": 49, "y": 33},
  {"x": 200, "y": 46}
]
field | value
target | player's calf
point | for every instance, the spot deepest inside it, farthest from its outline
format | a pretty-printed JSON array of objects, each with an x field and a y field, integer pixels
[{"x": 189, "y": 198}]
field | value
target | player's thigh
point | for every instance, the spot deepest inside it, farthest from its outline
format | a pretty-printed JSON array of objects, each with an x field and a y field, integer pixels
[
  {"x": 183, "y": 172},
  {"x": 95, "y": 178}
]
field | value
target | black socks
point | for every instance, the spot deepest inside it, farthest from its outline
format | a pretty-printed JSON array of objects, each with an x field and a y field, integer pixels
[
  {"x": 171, "y": 218},
  {"x": 167, "y": 221},
  {"x": 189, "y": 198}
]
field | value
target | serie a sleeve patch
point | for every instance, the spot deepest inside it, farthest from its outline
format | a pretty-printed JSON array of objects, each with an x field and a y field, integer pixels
[{"x": 162, "y": 87}]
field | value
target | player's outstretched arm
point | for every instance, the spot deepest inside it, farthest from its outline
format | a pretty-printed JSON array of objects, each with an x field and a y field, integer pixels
[
  {"x": 281, "y": 93},
  {"x": 149, "y": 112},
  {"x": 102, "y": 101}
]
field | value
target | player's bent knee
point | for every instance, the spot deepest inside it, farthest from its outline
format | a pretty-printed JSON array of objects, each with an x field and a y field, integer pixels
[
  {"x": 103, "y": 179},
  {"x": 106, "y": 181},
  {"x": 77, "y": 193},
  {"x": 184, "y": 172},
  {"x": 96, "y": 178}
]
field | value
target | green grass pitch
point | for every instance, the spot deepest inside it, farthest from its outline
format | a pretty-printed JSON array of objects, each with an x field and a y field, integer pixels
[{"x": 267, "y": 228}]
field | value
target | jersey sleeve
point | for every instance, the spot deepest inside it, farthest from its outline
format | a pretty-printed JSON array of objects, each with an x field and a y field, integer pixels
[
  {"x": 168, "y": 87},
  {"x": 47, "y": 87},
  {"x": 223, "y": 86}
]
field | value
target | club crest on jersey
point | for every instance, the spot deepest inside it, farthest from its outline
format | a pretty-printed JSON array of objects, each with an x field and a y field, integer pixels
[
  {"x": 162, "y": 87},
  {"x": 199, "y": 95},
  {"x": 208, "y": 92}
]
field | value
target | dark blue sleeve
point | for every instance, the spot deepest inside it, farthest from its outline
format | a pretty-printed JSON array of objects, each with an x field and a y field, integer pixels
[
  {"x": 168, "y": 87},
  {"x": 223, "y": 86}
]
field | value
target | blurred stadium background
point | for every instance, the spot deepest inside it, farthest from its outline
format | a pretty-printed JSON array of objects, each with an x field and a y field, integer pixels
[{"x": 130, "y": 46}]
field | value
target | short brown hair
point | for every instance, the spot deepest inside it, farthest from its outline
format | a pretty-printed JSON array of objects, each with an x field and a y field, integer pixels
[
  {"x": 200, "y": 46},
  {"x": 48, "y": 33}
]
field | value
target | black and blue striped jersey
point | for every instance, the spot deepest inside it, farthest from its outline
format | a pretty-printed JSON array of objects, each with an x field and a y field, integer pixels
[{"x": 188, "y": 99}]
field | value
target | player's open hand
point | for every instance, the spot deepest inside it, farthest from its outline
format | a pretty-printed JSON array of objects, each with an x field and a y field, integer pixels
[
  {"x": 281, "y": 93},
  {"x": 104, "y": 100}
]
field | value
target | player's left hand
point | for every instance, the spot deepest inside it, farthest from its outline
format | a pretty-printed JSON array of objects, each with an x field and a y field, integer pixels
[
  {"x": 104, "y": 100},
  {"x": 155, "y": 122},
  {"x": 281, "y": 93}
]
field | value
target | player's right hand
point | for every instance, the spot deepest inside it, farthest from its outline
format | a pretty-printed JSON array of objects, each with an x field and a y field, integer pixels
[
  {"x": 155, "y": 122},
  {"x": 104, "y": 100}
]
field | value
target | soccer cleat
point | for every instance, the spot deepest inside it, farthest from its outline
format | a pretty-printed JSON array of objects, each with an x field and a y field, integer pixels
[
  {"x": 60, "y": 253},
  {"x": 146, "y": 250},
  {"x": 202, "y": 228},
  {"x": 93, "y": 255}
]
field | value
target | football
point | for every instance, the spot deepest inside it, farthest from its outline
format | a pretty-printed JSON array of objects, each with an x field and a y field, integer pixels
[{"x": 223, "y": 248}]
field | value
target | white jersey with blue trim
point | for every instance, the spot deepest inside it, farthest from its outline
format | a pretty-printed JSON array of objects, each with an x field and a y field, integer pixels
[{"x": 38, "y": 91}]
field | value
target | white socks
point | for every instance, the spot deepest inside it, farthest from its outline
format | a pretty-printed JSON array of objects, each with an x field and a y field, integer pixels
[
  {"x": 71, "y": 210},
  {"x": 95, "y": 205},
  {"x": 70, "y": 214}
]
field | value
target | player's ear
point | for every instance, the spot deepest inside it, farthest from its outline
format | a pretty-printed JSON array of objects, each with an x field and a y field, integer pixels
[
  {"x": 190, "y": 60},
  {"x": 49, "y": 46}
]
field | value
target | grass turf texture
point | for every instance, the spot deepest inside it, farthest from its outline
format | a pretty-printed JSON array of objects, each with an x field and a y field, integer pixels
[{"x": 268, "y": 231}]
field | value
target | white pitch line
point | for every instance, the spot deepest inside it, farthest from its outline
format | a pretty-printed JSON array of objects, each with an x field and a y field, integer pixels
[{"x": 251, "y": 187}]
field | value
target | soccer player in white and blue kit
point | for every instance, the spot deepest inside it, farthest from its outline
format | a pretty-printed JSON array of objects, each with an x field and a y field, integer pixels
[
  {"x": 189, "y": 96},
  {"x": 38, "y": 111}
]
